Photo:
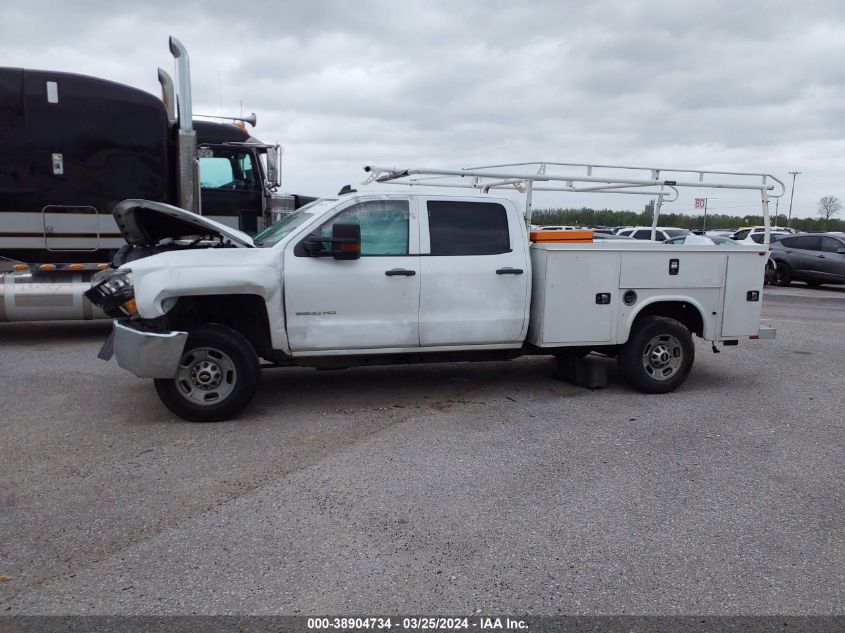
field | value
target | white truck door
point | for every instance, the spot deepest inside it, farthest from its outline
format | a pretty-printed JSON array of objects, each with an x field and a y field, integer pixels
[
  {"x": 367, "y": 303},
  {"x": 475, "y": 273}
]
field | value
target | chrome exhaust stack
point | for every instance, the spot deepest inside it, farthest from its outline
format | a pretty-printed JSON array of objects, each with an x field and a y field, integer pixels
[
  {"x": 168, "y": 95},
  {"x": 188, "y": 184}
]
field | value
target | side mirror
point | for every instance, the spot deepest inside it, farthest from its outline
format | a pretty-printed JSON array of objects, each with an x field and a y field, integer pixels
[
  {"x": 274, "y": 166},
  {"x": 841, "y": 251},
  {"x": 345, "y": 243}
]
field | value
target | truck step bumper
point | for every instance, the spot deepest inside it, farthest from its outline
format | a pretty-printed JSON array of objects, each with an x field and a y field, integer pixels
[
  {"x": 766, "y": 333},
  {"x": 147, "y": 354}
]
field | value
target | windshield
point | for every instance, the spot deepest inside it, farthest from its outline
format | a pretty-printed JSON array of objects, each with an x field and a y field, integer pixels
[
  {"x": 675, "y": 232},
  {"x": 275, "y": 233}
]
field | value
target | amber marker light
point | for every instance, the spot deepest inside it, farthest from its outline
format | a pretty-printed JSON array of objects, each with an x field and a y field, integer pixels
[{"x": 131, "y": 307}]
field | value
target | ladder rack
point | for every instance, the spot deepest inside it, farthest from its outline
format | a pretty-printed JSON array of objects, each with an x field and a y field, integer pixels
[{"x": 590, "y": 178}]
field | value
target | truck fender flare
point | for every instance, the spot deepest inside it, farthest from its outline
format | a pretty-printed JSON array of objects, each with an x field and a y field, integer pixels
[
  {"x": 164, "y": 302},
  {"x": 625, "y": 327}
]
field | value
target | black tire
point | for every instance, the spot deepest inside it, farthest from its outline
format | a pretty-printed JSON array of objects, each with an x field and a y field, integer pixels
[
  {"x": 813, "y": 284},
  {"x": 658, "y": 356},
  {"x": 783, "y": 275},
  {"x": 769, "y": 273},
  {"x": 218, "y": 376}
]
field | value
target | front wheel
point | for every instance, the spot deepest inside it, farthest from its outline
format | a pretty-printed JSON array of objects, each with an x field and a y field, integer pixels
[
  {"x": 658, "y": 356},
  {"x": 217, "y": 376}
]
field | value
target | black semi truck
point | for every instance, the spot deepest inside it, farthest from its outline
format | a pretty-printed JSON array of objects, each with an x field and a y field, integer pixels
[{"x": 72, "y": 147}]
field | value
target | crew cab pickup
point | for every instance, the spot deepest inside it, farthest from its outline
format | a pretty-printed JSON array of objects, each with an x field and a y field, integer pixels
[{"x": 370, "y": 279}]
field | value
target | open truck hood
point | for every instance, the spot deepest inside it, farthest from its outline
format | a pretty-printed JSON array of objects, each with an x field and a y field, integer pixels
[{"x": 146, "y": 223}]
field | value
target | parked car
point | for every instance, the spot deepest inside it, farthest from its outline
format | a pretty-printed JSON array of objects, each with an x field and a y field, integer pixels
[
  {"x": 719, "y": 232},
  {"x": 644, "y": 233},
  {"x": 757, "y": 238},
  {"x": 815, "y": 259},
  {"x": 702, "y": 240},
  {"x": 746, "y": 232}
]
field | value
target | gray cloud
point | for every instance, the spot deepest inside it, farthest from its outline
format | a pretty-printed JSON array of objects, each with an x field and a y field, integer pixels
[{"x": 752, "y": 85}]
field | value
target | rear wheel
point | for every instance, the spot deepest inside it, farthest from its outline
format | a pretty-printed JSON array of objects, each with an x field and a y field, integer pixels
[
  {"x": 217, "y": 376},
  {"x": 783, "y": 275},
  {"x": 658, "y": 356}
]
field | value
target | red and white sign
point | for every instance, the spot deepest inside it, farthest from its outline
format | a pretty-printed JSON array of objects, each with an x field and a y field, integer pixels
[{"x": 700, "y": 203}]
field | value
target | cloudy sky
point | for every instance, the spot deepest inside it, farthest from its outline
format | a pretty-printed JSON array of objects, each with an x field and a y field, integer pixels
[{"x": 751, "y": 85}]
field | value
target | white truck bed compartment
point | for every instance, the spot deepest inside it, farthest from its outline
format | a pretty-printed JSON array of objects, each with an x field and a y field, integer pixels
[{"x": 569, "y": 305}]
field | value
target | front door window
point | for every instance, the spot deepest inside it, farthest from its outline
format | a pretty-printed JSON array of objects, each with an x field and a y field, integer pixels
[
  {"x": 384, "y": 226},
  {"x": 228, "y": 171}
]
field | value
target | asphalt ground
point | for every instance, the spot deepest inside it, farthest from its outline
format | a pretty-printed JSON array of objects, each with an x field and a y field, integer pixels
[{"x": 456, "y": 488}]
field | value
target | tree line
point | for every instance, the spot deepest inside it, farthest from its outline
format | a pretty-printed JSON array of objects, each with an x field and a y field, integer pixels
[{"x": 586, "y": 216}]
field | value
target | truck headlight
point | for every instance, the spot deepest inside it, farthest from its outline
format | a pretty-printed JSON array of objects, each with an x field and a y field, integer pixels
[
  {"x": 113, "y": 291},
  {"x": 118, "y": 282}
]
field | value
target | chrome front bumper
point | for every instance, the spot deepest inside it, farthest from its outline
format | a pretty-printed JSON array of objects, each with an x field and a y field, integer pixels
[{"x": 146, "y": 354}]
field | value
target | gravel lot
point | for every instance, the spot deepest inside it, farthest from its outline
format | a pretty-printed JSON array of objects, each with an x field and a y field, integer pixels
[{"x": 434, "y": 489}]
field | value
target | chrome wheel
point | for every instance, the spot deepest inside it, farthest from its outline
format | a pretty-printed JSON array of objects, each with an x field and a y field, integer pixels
[
  {"x": 663, "y": 357},
  {"x": 206, "y": 376}
]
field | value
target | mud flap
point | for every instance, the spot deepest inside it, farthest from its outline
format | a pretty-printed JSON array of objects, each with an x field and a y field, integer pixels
[{"x": 107, "y": 350}]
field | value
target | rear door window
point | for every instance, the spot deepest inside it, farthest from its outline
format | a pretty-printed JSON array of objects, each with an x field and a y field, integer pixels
[
  {"x": 467, "y": 228},
  {"x": 807, "y": 242}
]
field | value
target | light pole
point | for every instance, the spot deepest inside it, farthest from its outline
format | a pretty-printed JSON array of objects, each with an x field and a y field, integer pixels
[{"x": 792, "y": 193}]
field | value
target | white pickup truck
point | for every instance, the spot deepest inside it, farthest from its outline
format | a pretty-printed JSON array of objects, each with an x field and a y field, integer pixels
[{"x": 408, "y": 276}]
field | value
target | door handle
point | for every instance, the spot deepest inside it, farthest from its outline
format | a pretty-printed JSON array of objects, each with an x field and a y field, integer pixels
[
  {"x": 509, "y": 271},
  {"x": 821, "y": 256},
  {"x": 400, "y": 272}
]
